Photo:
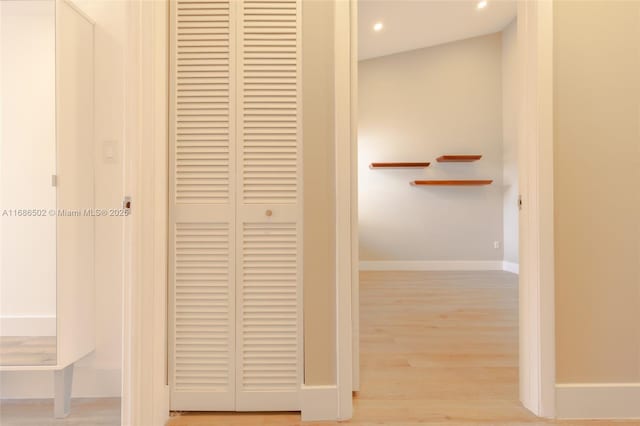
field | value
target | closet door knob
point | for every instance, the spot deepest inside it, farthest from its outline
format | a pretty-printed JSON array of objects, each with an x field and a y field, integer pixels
[{"x": 268, "y": 213}]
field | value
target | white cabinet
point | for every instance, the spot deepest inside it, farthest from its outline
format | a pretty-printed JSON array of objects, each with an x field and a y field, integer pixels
[{"x": 235, "y": 330}]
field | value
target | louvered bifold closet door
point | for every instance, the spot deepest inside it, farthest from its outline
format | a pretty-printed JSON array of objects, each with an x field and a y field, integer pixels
[
  {"x": 202, "y": 206},
  {"x": 269, "y": 256}
]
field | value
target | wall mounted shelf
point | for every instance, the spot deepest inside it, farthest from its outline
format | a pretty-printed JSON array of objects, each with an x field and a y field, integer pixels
[
  {"x": 458, "y": 158},
  {"x": 474, "y": 182},
  {"x": 398, "y": 165}
]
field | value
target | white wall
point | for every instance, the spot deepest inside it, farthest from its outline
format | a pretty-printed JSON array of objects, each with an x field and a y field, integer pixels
[
  {"x": 510, "y": 141},
  {"x": 416, "y": 106},
  {"x": 99, "y": 373},
  {"x": 27, "y": 161}
]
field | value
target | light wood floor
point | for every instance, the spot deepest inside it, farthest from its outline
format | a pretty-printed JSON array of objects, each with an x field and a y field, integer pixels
[
  {"x": 28, "y": 350},
  {"x": 84, "y": 412},
  {"x": 438, "y": 348}
]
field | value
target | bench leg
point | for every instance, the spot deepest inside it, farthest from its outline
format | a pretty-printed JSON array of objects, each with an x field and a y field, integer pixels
[{"x": 62, "y": 392}]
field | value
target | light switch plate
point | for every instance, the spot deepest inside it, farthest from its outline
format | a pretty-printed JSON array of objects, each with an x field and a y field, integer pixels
[{"x": 109, "y": 151}]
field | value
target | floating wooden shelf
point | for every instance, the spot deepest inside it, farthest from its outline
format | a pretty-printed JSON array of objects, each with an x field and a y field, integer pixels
[
  {"x": 458, "y": 158},
  {"x": 477, "y": 182},
  {"x": 398, "y": 165}
]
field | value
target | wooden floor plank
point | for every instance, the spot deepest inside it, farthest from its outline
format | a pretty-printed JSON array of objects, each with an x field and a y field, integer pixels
[{"x": 84, "y": 412}]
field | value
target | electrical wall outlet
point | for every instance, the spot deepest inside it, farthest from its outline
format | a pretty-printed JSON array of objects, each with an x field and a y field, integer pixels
[{"x": 496, "y": 244}]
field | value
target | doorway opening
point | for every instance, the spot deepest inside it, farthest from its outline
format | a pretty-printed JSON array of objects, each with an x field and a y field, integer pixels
[{"x": 438, "y": 101}]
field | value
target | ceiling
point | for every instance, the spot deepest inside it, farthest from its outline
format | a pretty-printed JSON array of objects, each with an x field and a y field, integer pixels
[{"x": 413, "y": 24}]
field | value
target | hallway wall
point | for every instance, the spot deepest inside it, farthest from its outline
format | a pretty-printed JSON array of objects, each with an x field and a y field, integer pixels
[
  {"x": 319, "y": 187},
  {"x": 597, "y": 196}
]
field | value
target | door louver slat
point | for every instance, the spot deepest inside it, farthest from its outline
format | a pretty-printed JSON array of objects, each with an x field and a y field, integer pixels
[
  {"x": 269, "y": 61},
  {"x": 192, "y": 243},
  {"x": 211, "y": 52},
  {"x": 276, "y": 302}
]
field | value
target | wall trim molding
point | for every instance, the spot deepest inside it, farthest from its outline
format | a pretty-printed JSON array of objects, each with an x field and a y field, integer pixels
[
  {"x": 598, "y": 400},
  {"x": 145, "y": 396},
  {"x": 35, "y": 325},
  {"x": 431, "y": 265},
  {"x": 511, "y": 267},
  {"x": 536, "y": 218},
  {"x": 318, "y": 403},
  {"x": 345, "y": 262}
]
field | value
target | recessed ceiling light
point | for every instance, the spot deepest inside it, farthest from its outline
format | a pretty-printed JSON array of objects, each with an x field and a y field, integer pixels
[
  {"x": 377, "y": 26},
  {"x": 482, "y": 4}
]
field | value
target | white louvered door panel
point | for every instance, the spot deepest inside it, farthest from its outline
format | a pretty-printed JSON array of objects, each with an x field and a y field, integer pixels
[
  {"x": 269, "y": 207},
  {"x": 202, "y": 206},
  {"x": 235, "y": 215}
]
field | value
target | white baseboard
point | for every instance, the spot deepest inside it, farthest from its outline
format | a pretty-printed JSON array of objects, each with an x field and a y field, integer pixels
[
  {"x": 318, "y": 403},
  {"x": 598, "y": 401},
  {"x": 511, "y": 267},
  {"x": 28, "y": 326},
  {"x": 87, "y": 383},
  {"x": 162, "y": 412},
  {"x": 431, "y": 265}
]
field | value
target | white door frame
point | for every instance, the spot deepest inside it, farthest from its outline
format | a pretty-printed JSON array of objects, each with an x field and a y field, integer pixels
[
  {"x": 346, "y": 268},
  {"x": 537, "y": 308},
  {"x": 145, "y": 396},
  {"x": 535, "y": 164}
]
